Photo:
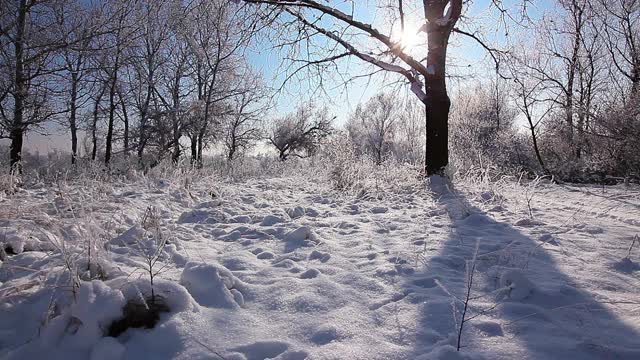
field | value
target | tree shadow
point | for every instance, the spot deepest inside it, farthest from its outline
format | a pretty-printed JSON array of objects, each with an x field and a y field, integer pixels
[{"x": 555, "y": 320}]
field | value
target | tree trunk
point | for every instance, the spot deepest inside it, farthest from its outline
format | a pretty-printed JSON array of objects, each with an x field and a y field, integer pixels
[
  {"x": 194, "y": 149},
  {"x": 112, "y": 111},
  {"x": 20, "y": 92},
  {"x": 437, "y": 146},
  {"x": 94, "y": 126},
  {"x": 534, "y": 138},
  {"x": 72, "y": 117},
  {"x": 437, "y": 102},
  {"x": 200, "y": 145},
  {"x": 15, "y": 150},
  {"x": 125, "y": 119}
]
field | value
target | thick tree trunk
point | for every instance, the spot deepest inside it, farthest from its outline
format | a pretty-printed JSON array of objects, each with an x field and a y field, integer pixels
[
  {"x": 437, "y": 102},
  {"x": 437, "y": 124},
  {"x": 15, "y": 149}
]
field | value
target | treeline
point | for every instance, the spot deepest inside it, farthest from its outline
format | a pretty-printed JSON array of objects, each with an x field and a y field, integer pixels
[
  {"x": 136, "y": 77},
  {"x": 156, "y": 79}
]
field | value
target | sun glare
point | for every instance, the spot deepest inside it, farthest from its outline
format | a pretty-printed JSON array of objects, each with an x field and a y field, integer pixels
[{"x": 409, "y": 38}]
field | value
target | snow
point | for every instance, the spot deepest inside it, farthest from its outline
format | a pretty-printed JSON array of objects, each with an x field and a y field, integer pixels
[
  {"x": 516, "y": 284},
  {"x": 211, "y": 285},
  {"x": 95, "y": 307},
  {"x": 288, "y": 268},
  {"x": 107, "y": 348}
]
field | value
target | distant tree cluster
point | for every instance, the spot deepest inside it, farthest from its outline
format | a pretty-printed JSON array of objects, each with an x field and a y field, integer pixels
[
  {"x": 138, "y": 78},
  {"x": 576, "y": 82}
]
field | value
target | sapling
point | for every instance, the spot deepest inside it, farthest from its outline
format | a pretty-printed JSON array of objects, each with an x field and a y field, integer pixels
[
  {"x": 151, "y": 249},
  {"x": 470, "y": 270},
  {"x": 636, "y": 239}
]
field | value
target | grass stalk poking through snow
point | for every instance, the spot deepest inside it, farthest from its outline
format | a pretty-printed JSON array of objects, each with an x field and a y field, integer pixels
[{"x": 470, "y": 270}]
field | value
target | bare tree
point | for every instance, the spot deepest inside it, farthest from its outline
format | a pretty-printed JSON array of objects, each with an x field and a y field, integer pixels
[
  {"x": 426, "y": 76},
  {"x": 299, "y": 133},
  {"x": 220, "y": 31},
  {"x": 620, "y": 20},
  {"x": 241, "y": 128},
  {"x": 530, "y": 99},
  {"x": 78, "y": 26},
  {"x": 147, "y": 60},
  {"x": 113, "y": 60},
  {"x": 27, "y": 49},
  {"x": 373, "y": 125}
]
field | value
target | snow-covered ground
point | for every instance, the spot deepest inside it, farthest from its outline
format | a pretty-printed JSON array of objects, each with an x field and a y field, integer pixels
[{"x": 290, "y": 269}]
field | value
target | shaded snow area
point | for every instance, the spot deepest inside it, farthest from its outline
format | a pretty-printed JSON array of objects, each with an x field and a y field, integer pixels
[{"x": 284, "y": 269}]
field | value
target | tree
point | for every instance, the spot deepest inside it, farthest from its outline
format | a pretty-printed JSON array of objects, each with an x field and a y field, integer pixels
[
  {"x": 147, "y": 60},
  {"x": 219, "y": 32},
  {"x": 373, "y": 125},
  {"x": 78, "y": 27},
  {"x": 27, "y": 50},
  {"x": 300, "y": 133},
  {"x": 620, "y": 20},
  {"x": 529, "y": 98},
  {"x": 241, "y": 127},
  {"x": 116, "y": 41},
  {"x": 426, "y": 77}
]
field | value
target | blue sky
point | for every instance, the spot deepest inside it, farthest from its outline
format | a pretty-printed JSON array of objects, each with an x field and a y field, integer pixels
[{"x": 467, "y": 57}]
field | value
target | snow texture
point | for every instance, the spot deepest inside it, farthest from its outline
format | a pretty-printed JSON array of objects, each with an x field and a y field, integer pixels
[{"x": 287, "y": 268}]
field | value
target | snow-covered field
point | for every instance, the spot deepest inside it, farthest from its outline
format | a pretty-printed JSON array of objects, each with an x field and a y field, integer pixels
[{"x": 289, "y": 269}]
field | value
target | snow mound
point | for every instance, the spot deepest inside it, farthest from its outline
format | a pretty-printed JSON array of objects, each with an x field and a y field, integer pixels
[
  {"x": 489, "y": 328},
  {"x": 310, "y": 274},
  {"x": 296, "y": 212},
  {"x": 97, "y": 305},
  {"x": 379, "y": 210},
  {"x": 211, "y": 285},
  {"x": 264, "y": 350},
  {"x": 13, "y": 243},
  {"x": 319, "y": 255},
  {"x": 302, "y": 234},
  {"x": 201, "y": 217},
  {"x": 526, "y": 222},
  {"x": 129, "y": 237},
  {"x": 241, "y": 219},
  {"x": 271, "y": 220},
  {"x": 174, "y": 296},
  {"x": 85, "y": 322},
  {"x": 517, "y": 286},
  {"x": 325, "y": 334}
]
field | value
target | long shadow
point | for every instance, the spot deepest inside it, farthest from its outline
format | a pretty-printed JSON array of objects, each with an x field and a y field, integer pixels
[{"x": 555, "y": 320}]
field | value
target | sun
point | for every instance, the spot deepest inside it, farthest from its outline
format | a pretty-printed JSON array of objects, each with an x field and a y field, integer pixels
[{"x": 409, "y": 39}]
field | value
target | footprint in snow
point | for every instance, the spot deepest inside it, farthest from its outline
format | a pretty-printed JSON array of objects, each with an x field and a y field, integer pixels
[
  {"x": 266, "y": 255},
  {"x": 310, "y": 274},
  {"x": 325, "y": 334},
  {"x": 319, "y": 255}
]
